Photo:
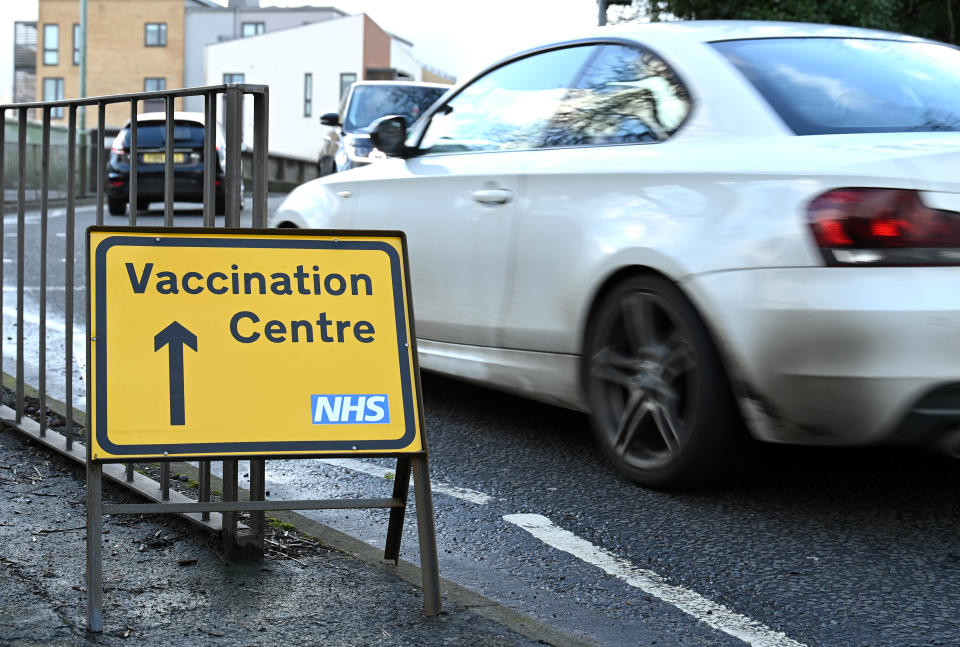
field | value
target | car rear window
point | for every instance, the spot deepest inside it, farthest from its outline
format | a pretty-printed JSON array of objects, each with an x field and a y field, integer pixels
[
  {"x": 152, "y": 134},
  {"x": 853, "y": 85},
  {"x": 370, "y": 102}
]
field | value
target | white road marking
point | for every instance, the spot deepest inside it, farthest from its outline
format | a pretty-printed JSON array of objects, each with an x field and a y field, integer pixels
[
  {"x": 706, "y": 611},
  {"x": 464, "y": 494}
]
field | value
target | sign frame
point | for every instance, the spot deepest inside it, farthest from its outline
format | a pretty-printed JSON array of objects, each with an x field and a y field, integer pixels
[{"x": 409, "y": 463}]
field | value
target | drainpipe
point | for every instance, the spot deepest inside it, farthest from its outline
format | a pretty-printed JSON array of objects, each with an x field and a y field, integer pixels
[{"x": 83, "y": 93}]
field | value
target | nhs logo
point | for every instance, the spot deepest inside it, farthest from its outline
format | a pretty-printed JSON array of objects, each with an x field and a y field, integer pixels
[{"x": 350, "y": 409}]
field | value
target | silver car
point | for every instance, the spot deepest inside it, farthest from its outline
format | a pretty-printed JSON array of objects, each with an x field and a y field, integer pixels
[
  {"x": 696, "y": 232},
  {"x": 347, "y": 143}
]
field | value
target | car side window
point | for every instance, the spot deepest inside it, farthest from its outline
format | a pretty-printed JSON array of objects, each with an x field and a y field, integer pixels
[
  {"x": 510, "y": 108},
  {"x": 623, "y": 95}
]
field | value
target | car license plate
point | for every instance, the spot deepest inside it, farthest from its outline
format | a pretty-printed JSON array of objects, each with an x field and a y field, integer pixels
[{"x": 159, "y": 158}]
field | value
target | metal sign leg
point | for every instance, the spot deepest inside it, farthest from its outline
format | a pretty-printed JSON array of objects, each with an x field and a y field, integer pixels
[
  {"x": 401, "y": 488},
  {"x": 94, "y": 547},
  {"x": 229, "y": 529},
  {"x": 429, "y": 563},
  {"x": 257, "y": 523}
]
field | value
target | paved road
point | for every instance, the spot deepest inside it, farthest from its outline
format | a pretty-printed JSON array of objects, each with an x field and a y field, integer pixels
[
  {"x": 186, "y": 215},
  {"x": 815, "y": 547},
  {"x": 166, "y": 583}
]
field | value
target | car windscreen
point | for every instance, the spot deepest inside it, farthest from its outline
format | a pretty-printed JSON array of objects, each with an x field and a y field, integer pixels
[
  {"x": 853, "y": 85},
  {"x": 370, "y": 102},
  {"x": 152, "y": 134}
]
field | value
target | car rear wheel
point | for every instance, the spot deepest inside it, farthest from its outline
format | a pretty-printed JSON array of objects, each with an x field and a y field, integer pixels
[
  {"x": 661, "y": 405},
  {"x": 116, "y": 207}
]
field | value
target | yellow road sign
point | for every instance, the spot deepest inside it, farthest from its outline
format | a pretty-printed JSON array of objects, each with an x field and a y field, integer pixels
[{"x": 213, "y": 342}]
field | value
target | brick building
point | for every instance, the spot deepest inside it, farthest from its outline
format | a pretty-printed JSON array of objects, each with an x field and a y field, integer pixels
[
  {"x": 133, "y": 45},
  {"x": 143, "y": 45}
]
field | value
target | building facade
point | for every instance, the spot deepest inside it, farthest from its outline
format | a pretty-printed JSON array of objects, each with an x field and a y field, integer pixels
[
  {"x": 308, "y": 69},
  {"x": 208, "y": 25},
  {"x": 308, "y": 56},
  {"x": 132, "y": 46}
]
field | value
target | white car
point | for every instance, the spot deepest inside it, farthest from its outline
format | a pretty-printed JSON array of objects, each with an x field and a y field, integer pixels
[{"x": 688, "y": 230}]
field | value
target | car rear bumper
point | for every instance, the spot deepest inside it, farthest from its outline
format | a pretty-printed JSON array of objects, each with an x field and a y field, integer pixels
[
  {"x": 187, "y": 185},
  {"x": 841, "y": 356}
]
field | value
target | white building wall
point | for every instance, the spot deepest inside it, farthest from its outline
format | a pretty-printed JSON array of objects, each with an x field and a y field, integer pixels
[
  {"x": 402, "y": 60},
  {"x": 205, "y": 26},
  {"x": 280, "y": 60}
]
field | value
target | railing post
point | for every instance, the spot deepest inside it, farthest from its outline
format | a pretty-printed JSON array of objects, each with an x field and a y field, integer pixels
[
  {"x": 261, "y": 120},
  {"x": 233, "y": 136},
  {"x": 21, "y": 228},
  {"x": 68, "y": 277},
  {"x": 134, "y": 155},
  {"x": 44, "y": 210},
  {"x": 210, "y": 160}
]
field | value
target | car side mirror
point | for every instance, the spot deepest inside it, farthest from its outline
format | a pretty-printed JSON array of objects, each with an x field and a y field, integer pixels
[
  {"x": 389, "y": 134},
  {"x": 330, "y": 119}
]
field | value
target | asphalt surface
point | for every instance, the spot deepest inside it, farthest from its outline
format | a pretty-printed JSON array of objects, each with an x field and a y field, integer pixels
[
  {"x": 825, "y": 548},
  {"x": 165, "y": 582},
  {"x": 830, "y": 548}
]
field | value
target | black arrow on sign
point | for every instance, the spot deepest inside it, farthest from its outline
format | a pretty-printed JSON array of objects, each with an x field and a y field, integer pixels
[{"x": 176, "y": 336}]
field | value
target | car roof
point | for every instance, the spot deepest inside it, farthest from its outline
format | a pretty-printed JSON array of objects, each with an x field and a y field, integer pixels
[
  {"x": 197, "y": 117},
  {"x": 715, "y": 30},
  {"x": 415, "y": 84}
]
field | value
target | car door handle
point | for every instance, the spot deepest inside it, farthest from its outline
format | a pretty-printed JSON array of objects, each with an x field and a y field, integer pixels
[{"x": 492, "y": 196}]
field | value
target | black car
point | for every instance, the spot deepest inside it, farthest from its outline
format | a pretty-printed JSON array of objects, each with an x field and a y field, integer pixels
[
  {"x": 348, "y": 145},
  {"x": 188, "y": 129}
]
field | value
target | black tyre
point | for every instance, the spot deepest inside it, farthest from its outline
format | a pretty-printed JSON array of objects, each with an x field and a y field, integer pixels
[
  {"x": 661, "y": 405},
  {"x": 143, "y": 204},
  {"x": 116, "y": 207}
]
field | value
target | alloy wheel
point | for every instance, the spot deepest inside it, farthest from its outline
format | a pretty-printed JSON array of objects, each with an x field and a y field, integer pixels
[{"x": 644, "y": 373}]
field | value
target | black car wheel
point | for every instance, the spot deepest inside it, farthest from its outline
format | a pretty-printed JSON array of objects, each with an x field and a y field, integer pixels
[
  {"x": 661, "y": 405},
  {"x": 116, "y": 207}
]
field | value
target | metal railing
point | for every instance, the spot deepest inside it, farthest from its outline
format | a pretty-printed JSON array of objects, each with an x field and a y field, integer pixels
[{"x": 58, "y": 179}]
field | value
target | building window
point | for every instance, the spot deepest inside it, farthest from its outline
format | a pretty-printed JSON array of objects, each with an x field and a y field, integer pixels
[
  {"x": 251, "y": 29},
  {"x": 307, "y": 94},
  {"x": 154, "y": 84},
  {"x": 346, "y": 80},
  {"x": 155, "y": 34},
  {"x": 233, "y": 78},
  {"x": 25, "y": 61},
  {"x": 51, "y": 44},
  {"x": 76, "y": 44},
  {"x": 53, "y": 91}
]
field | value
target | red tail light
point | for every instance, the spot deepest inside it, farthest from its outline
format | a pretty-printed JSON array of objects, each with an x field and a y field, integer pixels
[{"x": 883, "y": 227}]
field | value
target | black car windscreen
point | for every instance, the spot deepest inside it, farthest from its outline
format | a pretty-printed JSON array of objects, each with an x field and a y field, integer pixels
[
  {"x": 152, "y": 134},
  {"x": 370, "y": 102},
  {"x": 822, "y": 86}
]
